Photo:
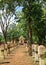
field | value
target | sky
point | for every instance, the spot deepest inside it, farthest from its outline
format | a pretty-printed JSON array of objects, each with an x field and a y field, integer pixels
[{"x": 19, "y": 8}]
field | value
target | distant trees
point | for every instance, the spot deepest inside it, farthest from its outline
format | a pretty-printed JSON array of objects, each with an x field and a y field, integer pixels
[
  {"x": 12, "y": 33},
  {"x": 15, "y": 31}
]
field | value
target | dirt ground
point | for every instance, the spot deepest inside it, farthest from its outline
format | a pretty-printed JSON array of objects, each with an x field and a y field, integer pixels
[{"x": 19, "y": 57}]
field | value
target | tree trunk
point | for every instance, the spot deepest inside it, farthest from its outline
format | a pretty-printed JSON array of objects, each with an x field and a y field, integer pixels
[
  {"x": 29, "y": 20},
  {"x": 29, "y": 38},
  {"x": 5, "y": 38}
]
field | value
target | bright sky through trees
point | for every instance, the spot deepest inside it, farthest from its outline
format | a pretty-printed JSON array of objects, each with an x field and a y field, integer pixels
[{"x": 17, "y": 9}]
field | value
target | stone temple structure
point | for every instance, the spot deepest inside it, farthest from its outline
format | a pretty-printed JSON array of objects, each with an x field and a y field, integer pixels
[{"x": 21, "y": 40}]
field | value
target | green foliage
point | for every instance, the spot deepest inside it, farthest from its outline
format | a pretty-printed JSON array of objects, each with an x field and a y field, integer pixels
[
  {"x": 1, "y": 38},
  {"x": 33, "y": 13},
  {"x": 17, "y": 30},
  {"x": 12, "y": 33},
  {"x": 10, "y": 5},
  {"x": 40, "y": 29},
  {"x": 33, "y": 16},
  {"x": 22, "y": 28}
]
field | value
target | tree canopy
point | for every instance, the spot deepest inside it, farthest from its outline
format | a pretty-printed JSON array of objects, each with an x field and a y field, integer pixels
[{"x": 31, "y": 21}]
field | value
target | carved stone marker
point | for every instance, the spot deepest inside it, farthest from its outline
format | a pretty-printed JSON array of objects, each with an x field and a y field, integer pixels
[{"x": 33, "y": 52}]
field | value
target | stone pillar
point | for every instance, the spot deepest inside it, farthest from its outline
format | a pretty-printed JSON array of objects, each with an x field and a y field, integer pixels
[
  {"x": 41, "y": 50},
  {"x": 33, "y": 53},
  {"x": 36, "y": 52}
]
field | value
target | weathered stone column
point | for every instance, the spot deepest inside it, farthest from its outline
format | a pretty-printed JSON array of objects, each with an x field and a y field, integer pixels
[{"x": 41, "y": 51}]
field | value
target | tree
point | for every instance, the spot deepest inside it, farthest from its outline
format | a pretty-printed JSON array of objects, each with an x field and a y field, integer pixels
[
  {"x": 5, "y": 20},
  {"x": 18, "y": 29},
  {"x": 1, "y": 37},
  {"x": 10, "y": 4},
  {"x": 31, "y": 11},
  {"x": 39, "y": 26}
]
